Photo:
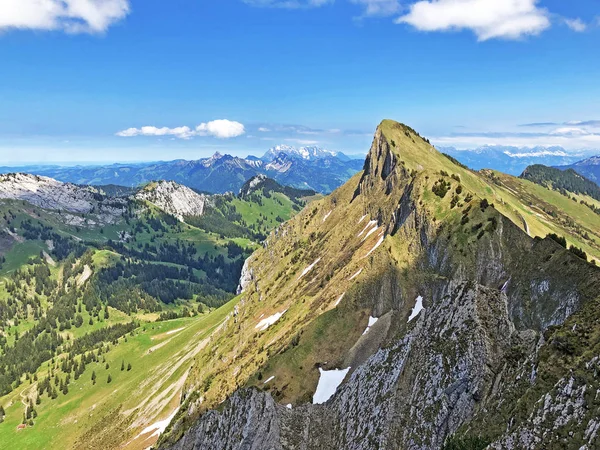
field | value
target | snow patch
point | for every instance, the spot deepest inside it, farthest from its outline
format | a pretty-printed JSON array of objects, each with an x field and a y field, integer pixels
[
  {"x": 417, "y": 309},
  {"x": 362, "y": 218},
  {"x": 369, "y": 225},
  {"x": 158, "y": 427},
  {"x": 269, "y": 379},
  {"x": 266, "y": 323},
  {"x": 288, "y": 406},
  {"x": 337, "y": 302},
  {"x": 379, "y": 242},
  {"x": 327, "y": 215},
  {"x": 371, "y": 231},
  {"x": 372, "y": 321},
  {"x": 309, "y": 268},
  {"x": 328, "y": 384},
  {"x": 356, "y": 274}
]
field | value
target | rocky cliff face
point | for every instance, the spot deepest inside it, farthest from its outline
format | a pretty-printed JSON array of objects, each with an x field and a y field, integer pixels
[
  {"x": 79, "y": 205},
  {"x": 496, "y": 307},
  {"x": 175, "y": 199},
  {"x": 46, "y": 192}
]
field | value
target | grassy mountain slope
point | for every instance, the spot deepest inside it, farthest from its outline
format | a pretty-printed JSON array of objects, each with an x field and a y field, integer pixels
[
  {"x": 78, "y": 293},
  {"x": 261, "y": 205},
  {"x": 413, "y": 223},
  {"x": 567, "y": 180},
  {"x": 108, "y": 415}
]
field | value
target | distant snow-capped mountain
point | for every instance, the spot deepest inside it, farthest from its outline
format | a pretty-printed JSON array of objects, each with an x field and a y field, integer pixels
[
  {"x": 306, "y": 153},
  {"x": 512, "y": 160},
  {"x": 589, "y": 168},
  {"x": 304, "y": 168}
]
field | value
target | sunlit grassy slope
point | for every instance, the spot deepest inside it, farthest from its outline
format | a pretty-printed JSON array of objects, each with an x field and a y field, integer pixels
[
  {"x": 320, "y": 272},
  {"x": 107, "y": 415}
]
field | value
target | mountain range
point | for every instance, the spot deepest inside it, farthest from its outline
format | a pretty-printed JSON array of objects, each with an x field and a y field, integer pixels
[
  {"x": 589, "y": 168},
  {"x": 420, "y": 305},
  {"x": 305, "y": 168},
  {"x": 512, "y": 160}
]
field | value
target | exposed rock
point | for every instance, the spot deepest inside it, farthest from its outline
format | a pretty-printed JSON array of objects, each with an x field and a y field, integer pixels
[
  {"x": 175, "y": 199},
  {"x": 46, "y": 193}
]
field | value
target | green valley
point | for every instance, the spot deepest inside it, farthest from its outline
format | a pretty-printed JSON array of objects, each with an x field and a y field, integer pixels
[{"x": 105, "y": 301}]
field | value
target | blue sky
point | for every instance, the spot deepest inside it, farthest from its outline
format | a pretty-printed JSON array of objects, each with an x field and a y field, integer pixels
[{"x": 130, "y": 80}]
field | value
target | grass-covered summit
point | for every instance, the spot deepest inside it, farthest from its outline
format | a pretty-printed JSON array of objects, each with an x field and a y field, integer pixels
[{"x": 429, "y": 287}]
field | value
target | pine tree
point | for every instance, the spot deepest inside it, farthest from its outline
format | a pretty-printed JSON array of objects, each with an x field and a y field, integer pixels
[
  {"x": 128, "y": 367},
  {"x": 94, "y": 377},
  {"x": 122, "y": 365},
  {"x": 109, "y": 379}
]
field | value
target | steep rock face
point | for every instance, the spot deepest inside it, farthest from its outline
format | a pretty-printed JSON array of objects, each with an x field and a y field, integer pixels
[
  {"x": 77, "y": 205},
  {"x": 175, "y": 199},
  {"x": 489, "y": 293},
  {"x": 46, "y": 193}
]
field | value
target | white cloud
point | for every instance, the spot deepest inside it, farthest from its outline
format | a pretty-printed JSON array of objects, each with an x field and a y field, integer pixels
[
  {"x": 179, "y": 132},
  {"x": 72, "y": 16},
  {"x": 488, "y": 19},
  {"x": 569, "y": 131},
  {"x": 221, "y": 129},
  {"x": 264, "y": 129},
  {"x": 576, "y": 25},
  {"x": 378, "y": 8},
  {"x": 536, "y": 154},
  {"x": 588, "y": 141}
]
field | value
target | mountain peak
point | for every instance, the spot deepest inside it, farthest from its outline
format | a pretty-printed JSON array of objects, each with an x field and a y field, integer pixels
[
  {"x": 307, "y": 153},
  {"x": 173, "y": 198},
  {"x": 46, "y": 192}
]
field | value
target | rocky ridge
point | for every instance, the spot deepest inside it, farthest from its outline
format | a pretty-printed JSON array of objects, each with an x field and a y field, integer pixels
[
  {"x": 175, "y": 199},
  {"x": 78, "y": 205},
  {"x": 491, "y": 294}
]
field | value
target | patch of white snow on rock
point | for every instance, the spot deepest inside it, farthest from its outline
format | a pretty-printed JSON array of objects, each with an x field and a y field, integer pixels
[
  {"x": 370, "y": 232},
  {"x": 417, "y": 309},
  {"x": 266, "y": 323},
  {"x": 371, "y": 224},
  {"x": 355, "y": 275},
  {"x": 328, "y": 384},
  {"x": 372, "y": 321},
  {"x": 327, "y": 215},
  {"x": 158, "y": 427},
  {"x": 309, "y": 268},
  {"x": 379, "y": 242},
  {"x": 269, "y": 379}
]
